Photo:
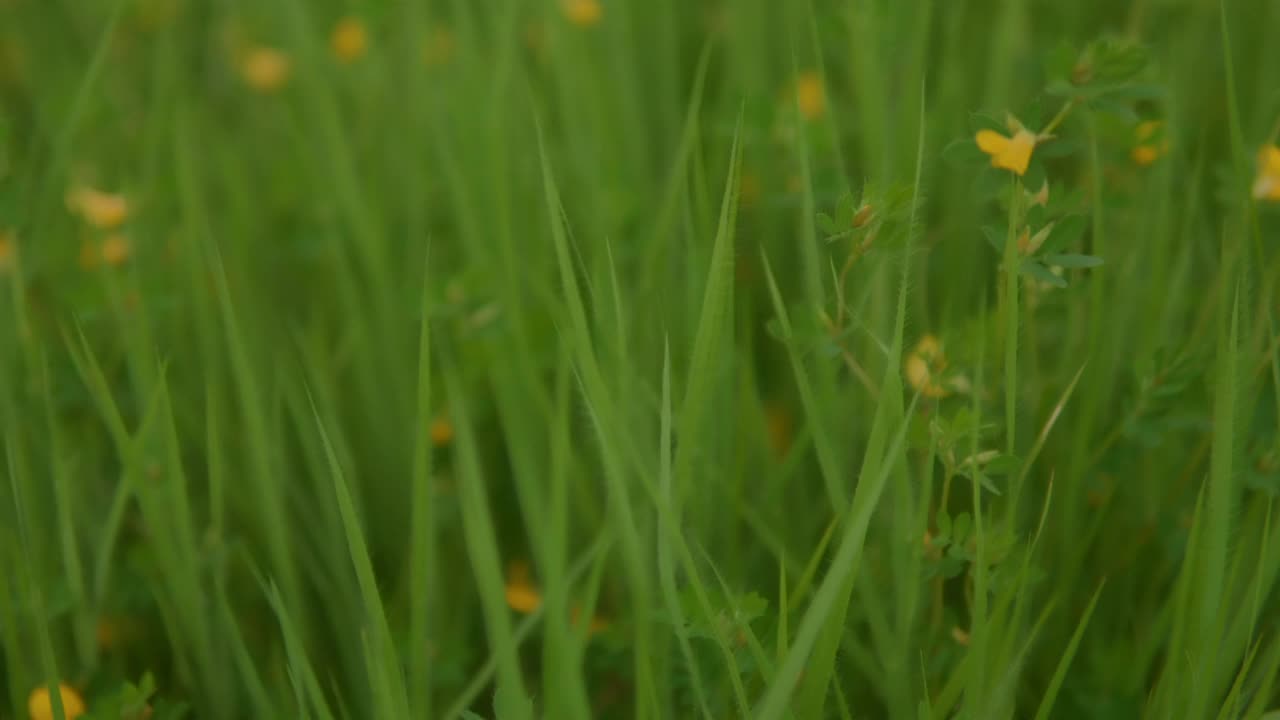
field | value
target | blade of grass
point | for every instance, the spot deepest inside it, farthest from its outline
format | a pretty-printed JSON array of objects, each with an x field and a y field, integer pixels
[{"x": 1060, "y": 674}]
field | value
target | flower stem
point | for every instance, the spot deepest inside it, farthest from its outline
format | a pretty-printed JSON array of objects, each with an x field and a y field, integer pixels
[
  {"x": 1012, "y": 258},
  {"x": 1057, "y": 119}
]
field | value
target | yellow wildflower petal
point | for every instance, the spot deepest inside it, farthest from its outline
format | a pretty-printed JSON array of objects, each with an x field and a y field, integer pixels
[
  {"x": 116, "y": 249},
  {"x": 40, "y": 704},
  {"x": 917, "y": 371},
  {"x": 1147, "y": 152},
  {"x": 105, "y": 211},
  {"x": 583, "y": 13},
  {"x": 923, "y": 367},
  {"x": 1008, "y": 153},
  {"x": 991, "y": 142},
  {"x": 1017, "y": 155},
  {"x": 811, "y": 96},
  {"x": 265, "y": 69},
  {"x": 522, "y": 595},
  {"x": 1147, "y": 130},
  {"x": 523, "y": 598},
  {"x": 349, "y": 39},
  {"x": 1267, "y": 186}
]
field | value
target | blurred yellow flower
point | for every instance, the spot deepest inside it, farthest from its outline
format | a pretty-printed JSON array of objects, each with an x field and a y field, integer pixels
[
  {"x": 265, "y": 69},
  {"x": 105, "y": 211},
  {"x": 40, "y": 704},
  {"x": 113, "y": 250},
  {"x": 441, "y": 431},
  {"x": 811, "y": 96},
  {"x": 1008, "y": 153},
  {"x": 439, "y": 46},
  {"x": 116, "y": 249},
  {"x": 1267, "y": 186},
  {"x": 349, "y": 39},
  {"x": 523, "y": 596},
  {"x": 583, "y": 13},
  {"x": 1148, "y": 149},
  {"x": 923, "y": 367},
  {"x": 8, "y": 251}
]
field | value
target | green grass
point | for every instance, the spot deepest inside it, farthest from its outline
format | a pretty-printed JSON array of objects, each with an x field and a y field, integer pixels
[{"x": 712, "y": 315}]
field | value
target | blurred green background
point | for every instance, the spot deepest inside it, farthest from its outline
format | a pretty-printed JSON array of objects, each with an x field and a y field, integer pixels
[{"x": 354, "y": 353}]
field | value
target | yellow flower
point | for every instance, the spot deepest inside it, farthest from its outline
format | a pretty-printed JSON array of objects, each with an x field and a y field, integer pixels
[
  {"x": 439, "y": 46},
  {"x": 583, "y": 13},
  {"x": 1009, "y": 153},
  {"x": 441, "y": 431},
  {"x": 265, "y": 69},
  {"x": 810, "y": 95},
  {"x": 114, "y": 250},
  {"x": 105, "y": 211},
  {"x": 523, "y": 596},
  {"x": 349, "y": 39},
  {"x": 923, "y": 367},
  {"x": 40, "y": 704},
  {"x": 1147, "y": 151},
  {"x": 8, "y": 251},
  {"x": 1267, "y": 186}
]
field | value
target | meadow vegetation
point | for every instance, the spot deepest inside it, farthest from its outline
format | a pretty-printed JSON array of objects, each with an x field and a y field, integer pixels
[{"x": 639, "y": 359}]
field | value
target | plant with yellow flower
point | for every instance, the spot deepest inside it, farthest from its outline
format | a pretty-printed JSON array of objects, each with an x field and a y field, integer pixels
[
  {"x": 810, "y": 95},
  {"x": 923, "y": 368},
  {"x": 1012, "y": 152},
  {"x": 1151, "y": 142},
  {"x": 102, "y": 210},
  {"x": 1267, "y": 184},
  {"x": 40, "y": 703},
  {"x": 349, "y": 39},
  {"x": 113, "y": 251},
  {"x": 583, "y": 13},
  {"x": 524, "y": 597},
  {"x": 265, "y": 69}
]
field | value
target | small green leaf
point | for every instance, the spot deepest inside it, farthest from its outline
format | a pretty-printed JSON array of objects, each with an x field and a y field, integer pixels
[
  {"x": 844, "y": 211},
  {"x": 1066, "y": 232},
  {"x": 1003, "y": 465},
  {"x": 963, "y": 153},
  {"x": 1073, "y": 261},
  {"x": 1033, "y": 269},
  {"x": 995, "y": 237},
  {"x": 827, "y": 224}
]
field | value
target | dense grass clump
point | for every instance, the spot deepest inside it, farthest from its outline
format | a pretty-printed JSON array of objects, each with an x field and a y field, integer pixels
[{"x": 639, "y": 359}]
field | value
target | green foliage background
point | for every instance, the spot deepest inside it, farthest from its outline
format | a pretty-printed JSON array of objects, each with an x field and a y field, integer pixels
[{"x": 632, "y": 270}]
